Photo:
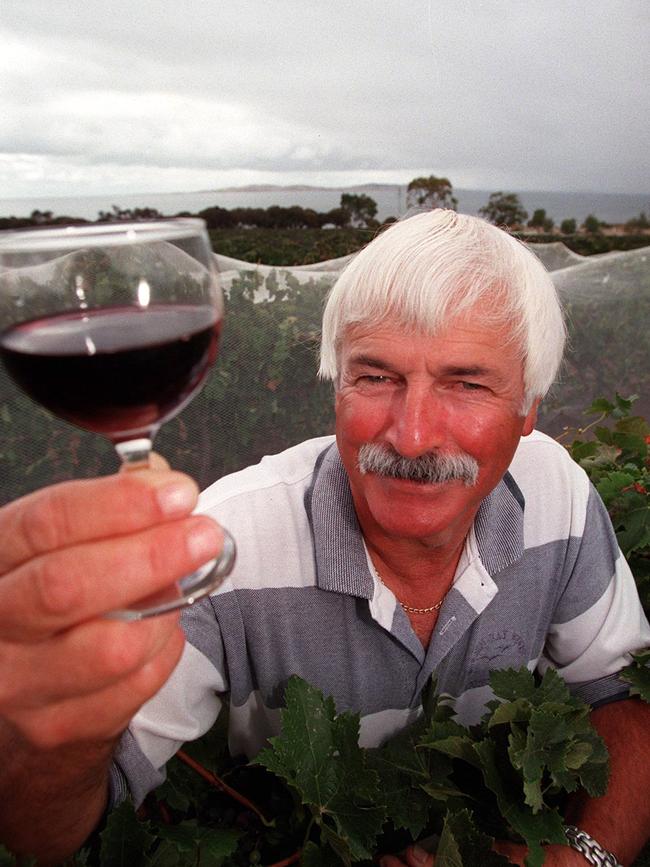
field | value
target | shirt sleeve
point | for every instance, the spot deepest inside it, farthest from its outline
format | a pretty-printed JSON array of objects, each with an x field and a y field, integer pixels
[
  {"x": 589, "y": 645},
  {"x": 183, "y": 710}
]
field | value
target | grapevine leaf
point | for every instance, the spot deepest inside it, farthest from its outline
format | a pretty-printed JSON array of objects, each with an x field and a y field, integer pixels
[
  {"x": 318, "y": 755},
  {"x": 457, "y": 747},
  {"x": 544, "y": 747},
  {"x": 599, "y": 406},
  {"x": 448, "y": 854},
  {"x": 611, "y": 484},
  {"x": 535, "y": 829},
  {"x": 124, "y": 840},
  {"x": 403, "y": 770},
  {"x": 634, "y": 424},
  {"x": 215, "y": 845},
  {"x": 629, "y": 442},
  {"x": 519, "y": 685},
  {"x": 318, "y": 856},
  {"x": 166, "y": 855},
  {"x": 624, "y": 405},
  {"x": 581, "y": 450},
  {"x": 184, "y": 836},
  {"x": 517, "y": 711},
  {"x": 210, "y": 845},
  {"x": 638, "y": 674},
  {"x": 462, "y": 844},
  {"x": 511, "y": 684},
  {"x": 636, "y": 533}
]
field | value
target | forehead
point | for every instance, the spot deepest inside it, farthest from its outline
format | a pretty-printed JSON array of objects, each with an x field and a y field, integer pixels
[{"x": 467, "y": 341}]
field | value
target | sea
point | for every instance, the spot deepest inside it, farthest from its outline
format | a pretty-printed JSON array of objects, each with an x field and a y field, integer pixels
[{"x": 390, "y": 199}]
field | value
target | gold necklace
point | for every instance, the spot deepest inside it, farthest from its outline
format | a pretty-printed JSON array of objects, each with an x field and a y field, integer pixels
[
  {"x": 410, "y": 608},
  {"x": 428, "y": 610}
]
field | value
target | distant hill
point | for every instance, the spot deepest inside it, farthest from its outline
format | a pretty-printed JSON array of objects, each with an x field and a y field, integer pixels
[{"x": 302, "y": 188}]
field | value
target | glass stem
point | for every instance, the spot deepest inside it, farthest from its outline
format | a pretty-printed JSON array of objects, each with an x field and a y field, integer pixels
[{"x": 134, "y": 453}]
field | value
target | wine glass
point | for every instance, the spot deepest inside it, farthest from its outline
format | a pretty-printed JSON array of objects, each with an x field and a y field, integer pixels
[{"x": 113, "y": 327}]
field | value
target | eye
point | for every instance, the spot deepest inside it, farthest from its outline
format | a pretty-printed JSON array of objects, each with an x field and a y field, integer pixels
[
  {"x": 374, "y": 378},
  {"x": 471, "y": 386},
  {"x": 372, "y": 381}
]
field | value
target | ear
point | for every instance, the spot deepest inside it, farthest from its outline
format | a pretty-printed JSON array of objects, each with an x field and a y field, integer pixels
[{"x": 531, "y": 418}]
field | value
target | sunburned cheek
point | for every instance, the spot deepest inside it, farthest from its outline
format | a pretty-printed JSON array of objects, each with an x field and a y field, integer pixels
[{"x": 360, "y": 420}]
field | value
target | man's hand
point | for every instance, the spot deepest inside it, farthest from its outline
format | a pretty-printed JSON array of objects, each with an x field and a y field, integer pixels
[
  {"x": 555, "y": 856},
  {"x": 71, "y": 679}
]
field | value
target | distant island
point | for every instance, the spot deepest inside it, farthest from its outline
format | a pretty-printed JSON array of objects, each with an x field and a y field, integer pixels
[{"x": 300, "y": 188}]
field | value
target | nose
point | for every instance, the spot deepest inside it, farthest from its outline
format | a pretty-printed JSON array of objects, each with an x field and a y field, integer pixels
[{"x": 418, "y": 422}]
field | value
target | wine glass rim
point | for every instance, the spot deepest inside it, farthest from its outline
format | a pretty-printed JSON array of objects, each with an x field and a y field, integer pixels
[{"x": 100, "y": 234}]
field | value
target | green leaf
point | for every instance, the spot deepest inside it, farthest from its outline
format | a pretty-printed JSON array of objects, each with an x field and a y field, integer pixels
[
  {"x": 611, "y": 484},
  {"x": 124, "y": 840},
  {"x": 535, "y": 829},
  {"x": 511, "y": 684},
  {"x": 638, "y": 674},
  {"x": 599, "y": 406},
  {"x": 215, "y": 845},
  {"x": 624, "y": 405},
  {"x": 634, "y": 424},
  {"x": 319, "y": 856},
  {"x": 581, "y": 450},
  {"x": 166, "y": 854},
  {"x": 184, "y": 836},
  {"x": 207, "y": 846},
  {"x": 403, "y": 770},
  {"x": 462, "y": 844},
  {"x": 318, "y": 754}
]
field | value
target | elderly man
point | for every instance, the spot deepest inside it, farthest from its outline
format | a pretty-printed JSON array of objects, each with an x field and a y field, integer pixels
[{"x": 436, "y": 533}]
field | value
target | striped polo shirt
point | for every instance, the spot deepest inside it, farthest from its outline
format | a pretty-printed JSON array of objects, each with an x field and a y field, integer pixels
[{"x": 541, "y": 582}]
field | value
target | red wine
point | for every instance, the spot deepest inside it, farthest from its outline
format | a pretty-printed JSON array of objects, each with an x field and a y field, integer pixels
[{"x": 118, "y": 371}]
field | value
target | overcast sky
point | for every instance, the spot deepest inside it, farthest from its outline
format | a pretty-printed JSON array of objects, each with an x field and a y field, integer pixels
[{"x": 153, "y": 95}]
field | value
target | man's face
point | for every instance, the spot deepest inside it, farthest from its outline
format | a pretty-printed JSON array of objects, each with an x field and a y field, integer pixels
[{"x": 459, "y": 392}]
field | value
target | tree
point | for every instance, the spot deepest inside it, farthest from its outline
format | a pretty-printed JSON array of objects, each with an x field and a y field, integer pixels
[
  {"x": 217, "y": 218},
  {"x": 568, "y": 226},
  {"x": 431, "y": 192},
  {"x": 591, "y": 224},
  {"x": 118, "y": 215},
  {"x": 340, "y": 217},
  {"x": 41, "y": 218},
  {"x": 539, "y": 220},
  {"x": 638, "y": 224},
  {"x": 362, "y": 208},
  {"x": 504, "y": 209}
]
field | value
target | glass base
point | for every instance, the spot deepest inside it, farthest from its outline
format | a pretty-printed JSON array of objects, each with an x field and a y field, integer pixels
[{"x": 187, "y": 590}]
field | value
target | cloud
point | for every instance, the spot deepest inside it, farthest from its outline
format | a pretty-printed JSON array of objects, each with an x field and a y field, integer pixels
[{"x": 488, "y": 93}]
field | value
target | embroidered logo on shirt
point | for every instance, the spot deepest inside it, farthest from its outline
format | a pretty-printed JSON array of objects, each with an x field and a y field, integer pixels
[{"x": 500, "y": 649}]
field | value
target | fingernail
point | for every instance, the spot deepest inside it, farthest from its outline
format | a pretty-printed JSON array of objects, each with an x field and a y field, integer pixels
[
  {"x": 203, "y": 541},
  {"x": 176, "y": 499}
]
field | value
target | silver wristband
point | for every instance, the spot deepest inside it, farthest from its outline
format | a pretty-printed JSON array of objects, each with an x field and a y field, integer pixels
[{"x": 593, "y": 851}]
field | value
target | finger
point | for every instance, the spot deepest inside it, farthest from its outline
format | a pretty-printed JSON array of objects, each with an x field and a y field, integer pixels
[
  {"x": 78, "y": 511},
  {"x": 416, "y": 856},
  {"x": 102, "y": 715},
  {"x": 80, "y": 661},
  {"x": 53, "y": 592}
]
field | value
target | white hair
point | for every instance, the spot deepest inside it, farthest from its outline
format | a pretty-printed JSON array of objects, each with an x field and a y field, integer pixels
[{"x": 425, "y": 271}]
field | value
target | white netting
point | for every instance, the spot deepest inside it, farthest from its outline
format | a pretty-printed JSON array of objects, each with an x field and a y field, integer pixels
[{"x": 263, "y": 394}]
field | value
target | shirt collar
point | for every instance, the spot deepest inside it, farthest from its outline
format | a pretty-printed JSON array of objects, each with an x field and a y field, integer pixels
[{"x": 341, "y": 562}]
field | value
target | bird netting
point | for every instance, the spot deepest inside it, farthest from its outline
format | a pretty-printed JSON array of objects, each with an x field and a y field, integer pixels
[{"x": 263, "y": 394}]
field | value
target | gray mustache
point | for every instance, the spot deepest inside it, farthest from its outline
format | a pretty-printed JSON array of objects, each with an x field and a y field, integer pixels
[{"x": 432, "y": 468}]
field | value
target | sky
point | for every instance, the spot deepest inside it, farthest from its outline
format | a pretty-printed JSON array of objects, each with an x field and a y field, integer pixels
[{"x": 158, "y": 96}]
